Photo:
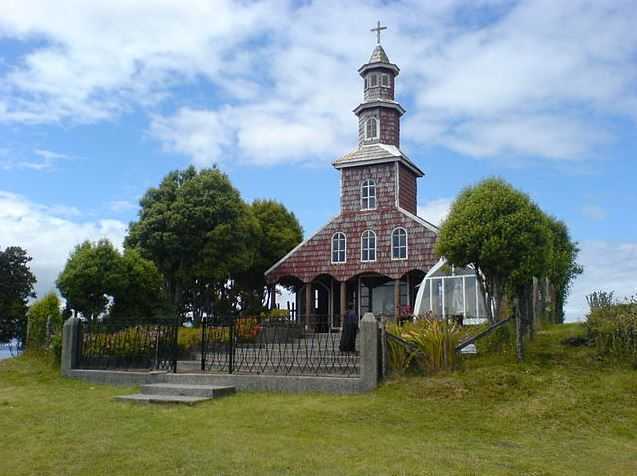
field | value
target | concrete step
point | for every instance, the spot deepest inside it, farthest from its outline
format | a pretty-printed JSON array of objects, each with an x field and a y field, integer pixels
[
  {"x": 176, "y": 389},
  {"x": 166, "y": 399}
]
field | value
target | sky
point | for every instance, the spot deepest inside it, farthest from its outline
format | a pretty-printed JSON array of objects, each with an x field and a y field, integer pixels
[{"x": 99, "y": 100}]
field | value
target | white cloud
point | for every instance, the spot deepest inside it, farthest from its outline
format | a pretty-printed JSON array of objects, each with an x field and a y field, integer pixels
[
  {"x": 48, "y": 236},
  {"x": 608, "y": 266},
  {"x": 435, "y": 211},
  {"x": 533, "y": 78},
  {"x": 594, "y": 212}
]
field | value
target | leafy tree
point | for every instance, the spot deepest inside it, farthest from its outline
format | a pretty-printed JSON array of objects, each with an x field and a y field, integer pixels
[
  {"x": 138, "y": 288},
  {"x": 198, "y": 231},
  {"x": 563, "y": 268},
  {"x": 40, "y": 311},
  {"x": 279, "y": 232},
  {"x": 500, "y": 232},
  {"x": 16, "y": 287},
  {"x": 97, "y": 275},
  {"x": 89, "y": 277}
]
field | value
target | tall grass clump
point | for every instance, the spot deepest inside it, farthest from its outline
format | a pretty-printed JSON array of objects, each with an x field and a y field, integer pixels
[
  {"x": 431, "y": 345},
  {"x": 612, "y": 326}
]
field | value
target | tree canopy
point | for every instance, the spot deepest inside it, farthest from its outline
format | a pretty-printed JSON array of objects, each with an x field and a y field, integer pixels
[
  {"x": 499, "y": 231},
  {"x": 279, "y": 232},
  {"x": 97, "y": 274},
  {"x": 198, "y": 231},
  {"x": 16, "y": 288},
  {"x": 509, "y": 241}
]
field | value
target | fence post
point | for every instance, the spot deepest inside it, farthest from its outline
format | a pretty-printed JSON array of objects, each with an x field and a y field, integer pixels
[
  {"x": 70, "y": 345},
  {"x": 369, "y": 353}
]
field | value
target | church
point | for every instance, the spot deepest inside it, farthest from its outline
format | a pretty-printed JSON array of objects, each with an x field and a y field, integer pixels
[{"x": 376, "y": 252}]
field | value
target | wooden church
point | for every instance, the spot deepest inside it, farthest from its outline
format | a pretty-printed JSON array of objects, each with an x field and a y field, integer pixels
[{"x": 374, "y": 254}]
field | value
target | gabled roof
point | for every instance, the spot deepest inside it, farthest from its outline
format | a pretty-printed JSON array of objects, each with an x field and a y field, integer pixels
[{"x": 376, "y": 154}]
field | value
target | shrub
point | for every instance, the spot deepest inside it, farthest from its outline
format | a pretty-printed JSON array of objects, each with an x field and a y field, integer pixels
[
  {"x": 500, "y": 341},
  {"x": 38, "y": 314},
  {"x": 400, "y": 355},
  {"x": 435, "y": 341},
  {"x": 613, "y": 329}
]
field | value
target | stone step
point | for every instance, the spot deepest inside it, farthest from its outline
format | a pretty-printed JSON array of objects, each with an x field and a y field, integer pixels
[
  {"x": 176, "y": 389},
  {"x": 166, "y": 399}
]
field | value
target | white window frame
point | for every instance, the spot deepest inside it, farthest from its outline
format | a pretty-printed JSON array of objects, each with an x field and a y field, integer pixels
[
  {"x": 344, "y": 249},
  {"x": 370, "y": 185},
  {"x": 376, "y": 128},
  {"x": 369, "y": 233},
  {"x": 385, "y": 78},
  {"x": 391, "y": 244}
]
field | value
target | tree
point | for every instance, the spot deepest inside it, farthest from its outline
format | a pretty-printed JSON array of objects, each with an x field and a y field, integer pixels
[
  {"x": 279, "y": 232},
  {"x": 138, "y": 288},
  {"x": 199, "y": 233},
  {"x": 89, "y": 277},
  {"x": 504, "y": 235},
  {"x": 16, "y": 288},
  {"x": 563, "y": 268},
  {"x": 40, "y": 311}
]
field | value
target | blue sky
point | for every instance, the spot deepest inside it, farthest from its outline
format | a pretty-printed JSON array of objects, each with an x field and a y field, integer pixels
[{"x": 99, "y": 102}]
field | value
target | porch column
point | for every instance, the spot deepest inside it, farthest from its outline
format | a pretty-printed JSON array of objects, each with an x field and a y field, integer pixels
[
  {"x": 343, "y": 301},
  {"x": 396, "y": 298},
  {"x": 308, "y": 303}
]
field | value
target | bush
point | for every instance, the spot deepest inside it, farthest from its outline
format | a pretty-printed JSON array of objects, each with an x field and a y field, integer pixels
[
  {"x": 612, "y": 327},
  {"x": 434, "y": 344},
  {"x": 38, "y": 314}
]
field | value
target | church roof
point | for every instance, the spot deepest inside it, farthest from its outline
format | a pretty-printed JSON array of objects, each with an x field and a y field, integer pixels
[
  {"x": 376, "y": 153},
  {"x": 379, "y": 55}
]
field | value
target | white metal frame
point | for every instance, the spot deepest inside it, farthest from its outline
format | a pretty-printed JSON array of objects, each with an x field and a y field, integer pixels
[
  {"x": 344, "y": 250},
  {"x": 368, "y": 248}
]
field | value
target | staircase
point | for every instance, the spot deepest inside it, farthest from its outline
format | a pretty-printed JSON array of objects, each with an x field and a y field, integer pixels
[{"x": 177, "y": 393}]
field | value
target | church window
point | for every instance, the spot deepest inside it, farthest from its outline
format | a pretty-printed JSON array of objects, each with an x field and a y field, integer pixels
[
  {"x": 339, "y": 248},
  {"x": 366, "y": 83},
  {"x": 371, "y": 128},
  {"x": 385, "y": 80},
  {"x": 368, "y": 246},
  {"x": 373, "y": 80},
  {"x": 399, "y": 244},
  {"x": 368, "y": 195}
]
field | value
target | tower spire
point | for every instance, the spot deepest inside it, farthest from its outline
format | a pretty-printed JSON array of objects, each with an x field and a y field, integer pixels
[{"x": 378, "y": 29}]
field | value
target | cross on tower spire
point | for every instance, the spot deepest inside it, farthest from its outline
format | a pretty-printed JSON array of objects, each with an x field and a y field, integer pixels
[{"x": 378, "y": 29}]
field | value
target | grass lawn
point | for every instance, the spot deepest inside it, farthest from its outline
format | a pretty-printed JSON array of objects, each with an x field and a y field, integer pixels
[{"x": 562, "y": 412}]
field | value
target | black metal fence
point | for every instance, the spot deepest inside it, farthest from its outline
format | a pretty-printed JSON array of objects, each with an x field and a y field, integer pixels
[
  {"x": 128, "y": 345},
  {"x": 308, "y": 347}
]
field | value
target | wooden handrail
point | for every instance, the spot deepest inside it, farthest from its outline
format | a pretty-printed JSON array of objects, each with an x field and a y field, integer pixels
[{"x": 484, "y": 333}]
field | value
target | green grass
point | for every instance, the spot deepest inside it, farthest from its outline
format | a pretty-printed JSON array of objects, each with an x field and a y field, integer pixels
[{"x": 562, "y": 412}]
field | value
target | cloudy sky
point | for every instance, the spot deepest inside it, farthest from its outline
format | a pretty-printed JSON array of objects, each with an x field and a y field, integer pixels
[{"x": 99, "y": 100}]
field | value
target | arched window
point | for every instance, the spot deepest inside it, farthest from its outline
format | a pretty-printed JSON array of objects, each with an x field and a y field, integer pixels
[
  {"x": 368, "y": 195},
  {"x": 399, "y": 244},
  {"x": 371, "y": 128},
  {"x": 368, "y": 246},
  {"x": 339, "y": 248}
]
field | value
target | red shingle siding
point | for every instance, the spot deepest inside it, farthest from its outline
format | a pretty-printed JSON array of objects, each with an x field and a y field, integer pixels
[
  {"x": 407, "y": 190},
  {"x": 353, "y": 177},
  {"x": 314, "y": 257},
  {"x": 389, "y": 123}
]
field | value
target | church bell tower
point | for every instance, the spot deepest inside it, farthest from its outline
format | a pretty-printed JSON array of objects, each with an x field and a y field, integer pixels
[{"x": 379, "y": 113}]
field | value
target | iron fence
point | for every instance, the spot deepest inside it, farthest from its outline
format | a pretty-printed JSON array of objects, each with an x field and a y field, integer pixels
[
  {"x": 128, "y": 344},
  {"x": 303, "y": 347}
]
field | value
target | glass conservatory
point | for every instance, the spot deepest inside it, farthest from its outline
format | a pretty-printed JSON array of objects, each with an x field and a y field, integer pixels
[{"x": 451, "y": 292}]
